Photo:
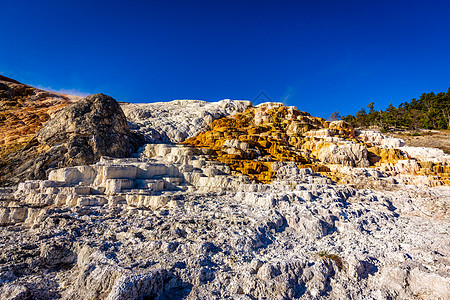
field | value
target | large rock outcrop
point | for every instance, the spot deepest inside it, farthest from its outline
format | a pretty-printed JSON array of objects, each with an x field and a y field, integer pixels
[
  {"x": 175, "y": 223},
  {"x": 251, "y": 142},
  {"x": 79, "y": 134}
]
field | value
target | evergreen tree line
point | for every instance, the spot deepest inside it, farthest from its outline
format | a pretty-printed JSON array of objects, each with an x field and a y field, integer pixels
[{"x": 430, "y": 111}]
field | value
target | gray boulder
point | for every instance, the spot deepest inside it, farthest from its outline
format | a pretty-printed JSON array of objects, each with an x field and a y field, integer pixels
[{"x": 78, "y": 135}]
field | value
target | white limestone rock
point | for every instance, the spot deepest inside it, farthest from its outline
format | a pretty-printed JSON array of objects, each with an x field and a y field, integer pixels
[
  {"x": 320, "y": 133},
  {"x": 347, "y": 154},
  {"x": 427, "y": 154},
  {"x": 376, "y": 138},
  {"x": 428, "y": 284},
  {"x": 178, "y": 120},
  {"x": 175, "y": 224}
]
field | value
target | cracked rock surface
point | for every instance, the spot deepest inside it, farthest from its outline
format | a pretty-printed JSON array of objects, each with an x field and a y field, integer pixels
[
  {"x": 301, "y": 237},
  {"x": 177, "y": 120}
]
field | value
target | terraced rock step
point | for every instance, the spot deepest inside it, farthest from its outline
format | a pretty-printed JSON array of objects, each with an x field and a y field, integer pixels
[
  {"x": 251, "y": 141},
  {"x": 146, "y": 182}
]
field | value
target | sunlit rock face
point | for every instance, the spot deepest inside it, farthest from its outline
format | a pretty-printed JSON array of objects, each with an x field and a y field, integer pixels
[
  {"x": 24, "y": 110},
  {"x": 175, "y": 223},
  {"x": 249, "y": 142}
]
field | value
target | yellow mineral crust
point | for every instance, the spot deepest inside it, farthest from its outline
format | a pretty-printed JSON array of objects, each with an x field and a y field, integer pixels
[
  {"x": 251, "y": 141},
  {"x": 437, "y": 171},
  {"x": 385, "y": 155}
]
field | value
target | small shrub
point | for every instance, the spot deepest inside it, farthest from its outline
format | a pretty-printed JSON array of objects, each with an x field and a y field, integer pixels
[
  {"x": 292, "y": 185},
  {"x": 325, "y": 255}
]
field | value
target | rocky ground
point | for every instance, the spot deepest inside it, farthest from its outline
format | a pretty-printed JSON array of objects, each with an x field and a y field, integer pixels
[
  {"x": 350, "y": 215},
  {"x": 426, "y": 138}
]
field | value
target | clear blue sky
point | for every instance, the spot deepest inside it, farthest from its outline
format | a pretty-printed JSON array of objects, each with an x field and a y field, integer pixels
[{"x": 321, "y": 56}]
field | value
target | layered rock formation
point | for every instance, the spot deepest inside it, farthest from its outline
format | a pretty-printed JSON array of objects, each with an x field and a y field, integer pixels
[
  {"x": 79, "y": 134},
  {"x": 174, "y": 223},
  {"x": 248, "y": 209},
  {"x": 251, "y": 141}
]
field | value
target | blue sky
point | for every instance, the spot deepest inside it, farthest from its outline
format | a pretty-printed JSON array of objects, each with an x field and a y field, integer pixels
[{"x": 321, "y": 56}]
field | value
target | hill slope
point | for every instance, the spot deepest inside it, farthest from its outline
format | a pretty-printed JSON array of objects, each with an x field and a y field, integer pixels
[{"x": 24, "y": 110}]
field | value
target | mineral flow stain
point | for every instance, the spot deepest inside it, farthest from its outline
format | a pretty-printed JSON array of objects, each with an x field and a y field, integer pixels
[{"x": 251, "y": 141}]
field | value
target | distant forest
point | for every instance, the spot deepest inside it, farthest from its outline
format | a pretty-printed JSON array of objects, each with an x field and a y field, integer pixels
[{"x": 430, "y": 111}]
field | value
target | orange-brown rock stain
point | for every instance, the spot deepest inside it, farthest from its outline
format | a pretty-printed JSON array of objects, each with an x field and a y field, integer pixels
[
  {"x": 274, "y": 132},
  {"x": 385, "y": 155},
  {"x": 23, "y": 111}
]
